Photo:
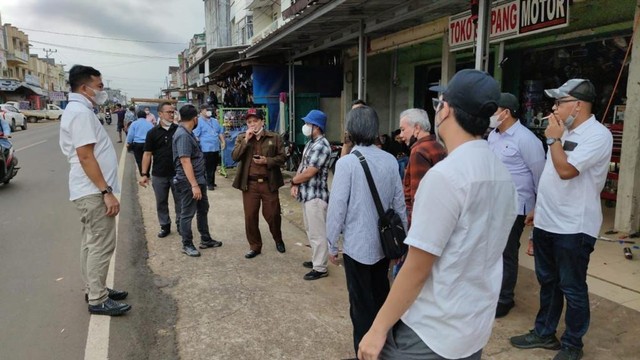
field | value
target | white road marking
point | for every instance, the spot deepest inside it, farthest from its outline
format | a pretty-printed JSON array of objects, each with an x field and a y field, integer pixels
[
  {"x": 97, "y": 347},
  {"x": 32, "y": 145}
]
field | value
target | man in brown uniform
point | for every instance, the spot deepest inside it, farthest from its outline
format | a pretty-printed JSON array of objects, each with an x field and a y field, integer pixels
[{"x": 260, "y": 155}]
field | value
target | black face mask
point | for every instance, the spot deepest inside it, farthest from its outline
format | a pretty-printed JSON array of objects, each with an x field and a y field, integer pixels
[
  {"x": 195, "y": 125},
  {"x": 412, "y": 140}
]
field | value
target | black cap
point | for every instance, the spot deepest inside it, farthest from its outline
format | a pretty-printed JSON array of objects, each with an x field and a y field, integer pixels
[
  {"x": 509, "y": 101},
  {"x": 580, "y": 89},
  {"x": 473, "y": 91}
]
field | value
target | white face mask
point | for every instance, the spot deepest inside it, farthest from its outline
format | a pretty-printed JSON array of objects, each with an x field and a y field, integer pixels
[
  {"x": 256, "y": 132},
  {"x": 99, "y": 97},
  {"x": 307, "y": 130},
  {"x": 570, "y": 119},
  {"x": 209, "y": 113},
  {"x": 166, "y": 123},
  {"x": 495, "y": 121}
]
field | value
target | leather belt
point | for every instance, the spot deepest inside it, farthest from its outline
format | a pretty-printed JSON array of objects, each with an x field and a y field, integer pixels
[{"x": 259, "y": 179}]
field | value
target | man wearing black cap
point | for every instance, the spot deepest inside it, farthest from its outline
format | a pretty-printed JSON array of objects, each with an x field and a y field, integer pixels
[
  {"x": 462, "y": 214},
  {"x": 568, "y": 217},
  {"x": 522, "y": 153},
  {"x": 260, "y": 155}
]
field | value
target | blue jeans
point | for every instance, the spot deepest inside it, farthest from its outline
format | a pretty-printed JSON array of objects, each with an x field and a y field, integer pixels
[
  {"x": 189, "y": 208},
  {"x": 402, "y": 165},
  {"x": 561, "y": 268}
]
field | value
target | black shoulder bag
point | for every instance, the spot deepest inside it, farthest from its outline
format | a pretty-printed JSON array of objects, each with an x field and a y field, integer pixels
[{"x": 390, "y": 227}]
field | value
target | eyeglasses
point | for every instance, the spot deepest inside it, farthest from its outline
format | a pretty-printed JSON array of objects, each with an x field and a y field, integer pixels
[
  {"x": 558, "y": 102},
  {"x": 436, "y": 104},
  {"x": 168, "y": 112}
]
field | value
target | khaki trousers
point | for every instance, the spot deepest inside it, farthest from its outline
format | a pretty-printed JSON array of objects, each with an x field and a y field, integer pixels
[
  {"x": 98, "y": 244},
  {"x": 315, "y": 218}
]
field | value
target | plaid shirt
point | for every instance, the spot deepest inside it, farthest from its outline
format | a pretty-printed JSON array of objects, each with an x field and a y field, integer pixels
[
  {"x": 425, "y": 153},
  {"x": 316, "y": 154}
]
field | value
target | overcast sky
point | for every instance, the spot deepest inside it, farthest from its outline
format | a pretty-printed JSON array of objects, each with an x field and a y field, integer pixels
[{"x": 167, "y": 21}]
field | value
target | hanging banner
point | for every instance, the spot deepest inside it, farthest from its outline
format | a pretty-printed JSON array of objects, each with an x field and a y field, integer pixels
[{"x": 510, "y": 19}]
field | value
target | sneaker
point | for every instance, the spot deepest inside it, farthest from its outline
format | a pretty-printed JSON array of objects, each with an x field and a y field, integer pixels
[
  {"x": 314, "y": 275},
  {"x": 308, "y": 264},
  {"x": 113, "y": 295},
  {"x": 109, "y": 307},
  {"x": 503, "y": 309},
  {"x": 209, "y": 243},
  {"x": 190, "y": 250},
  {"x": 211, "y": 187},
  {"x": 569, "y": 353},
  {"x": 532, "y": 340}
]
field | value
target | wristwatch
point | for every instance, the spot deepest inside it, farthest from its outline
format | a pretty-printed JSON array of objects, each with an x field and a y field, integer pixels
[
  {"x": 551, "y": 141},
  {"x": 106, "y": 191},
  {"x": 145, "y": 174}
]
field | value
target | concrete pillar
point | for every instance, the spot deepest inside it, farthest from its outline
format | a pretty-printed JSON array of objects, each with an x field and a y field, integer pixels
[
  {"x": 448, "y": 60},
  {"x": 628, "y": 199},
  {"x": 292, "y": 101},
  {"x": 497, "y": 69},
  {"x": 482, "y": 35},
  {"x": 362, "y": 63}
]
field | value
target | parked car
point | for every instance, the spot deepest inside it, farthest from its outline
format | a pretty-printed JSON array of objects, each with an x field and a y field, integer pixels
[
  {"x": 13, "y": 116},
  {"x": 53, "y": 112}
]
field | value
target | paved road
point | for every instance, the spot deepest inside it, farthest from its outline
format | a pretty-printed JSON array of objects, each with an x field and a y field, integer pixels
[{"x": 42, "y": 310}]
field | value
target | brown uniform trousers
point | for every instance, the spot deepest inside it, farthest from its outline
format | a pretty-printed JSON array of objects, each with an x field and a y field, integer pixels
[{"x": 259, "y": 185}]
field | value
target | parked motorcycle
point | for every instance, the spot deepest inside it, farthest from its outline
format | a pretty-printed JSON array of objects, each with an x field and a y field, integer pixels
[
  {"x": 291, "y": 152},
  {"x": 107, "y": 116},
  {"x": 9, "y": 164},
  {"x": 336, "y": 150}
]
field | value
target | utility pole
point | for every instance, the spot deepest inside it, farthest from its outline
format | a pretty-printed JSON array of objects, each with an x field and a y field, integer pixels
[{"x": 48, "y": 52}]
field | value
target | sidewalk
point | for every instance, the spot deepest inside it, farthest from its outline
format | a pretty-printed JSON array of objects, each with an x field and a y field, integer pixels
[{"x": 233, "y": 308}]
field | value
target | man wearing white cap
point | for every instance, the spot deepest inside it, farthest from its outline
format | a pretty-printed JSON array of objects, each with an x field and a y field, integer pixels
[
  {"x": 568, "y": 217},
  {"x": 310, "y": 186}
]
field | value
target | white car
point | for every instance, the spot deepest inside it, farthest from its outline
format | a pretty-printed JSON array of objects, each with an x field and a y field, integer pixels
[{"x": 13, "y": 116}]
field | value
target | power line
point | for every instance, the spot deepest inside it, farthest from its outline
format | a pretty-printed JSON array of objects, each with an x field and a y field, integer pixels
[
  {"x": 107, "y": 38},
  {"x": 104, "y": 52}
]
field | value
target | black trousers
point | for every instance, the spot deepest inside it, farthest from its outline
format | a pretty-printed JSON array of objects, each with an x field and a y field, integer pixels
[
  {"x": 138, "y": 151},
  {"x": 368, "y": 287},
  {"x": 211, "y": 160},
  {"x": 510, "y": 261}
]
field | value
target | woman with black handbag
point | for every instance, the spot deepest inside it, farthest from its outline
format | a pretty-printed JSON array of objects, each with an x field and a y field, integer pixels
[{"x": 352, "y": 211}]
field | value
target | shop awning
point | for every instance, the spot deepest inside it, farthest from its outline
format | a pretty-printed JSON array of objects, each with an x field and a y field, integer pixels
[
  {"x": 35, "y": 89},
  {"x": 218, "y": 55},
  {"x": 227, "y": 66},
  {"x": 328, "y": 24}
]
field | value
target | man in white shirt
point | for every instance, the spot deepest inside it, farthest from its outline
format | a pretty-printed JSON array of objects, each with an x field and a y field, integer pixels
[
  {"x": 446, "y": 291},
  {"x": 568, "y": 216},
  {"x": 93, "y": 181},
  {"x": 523, "y": 155}
]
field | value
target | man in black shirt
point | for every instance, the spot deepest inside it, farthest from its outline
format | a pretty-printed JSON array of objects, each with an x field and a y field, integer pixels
[{"x": 157, "y": 146}]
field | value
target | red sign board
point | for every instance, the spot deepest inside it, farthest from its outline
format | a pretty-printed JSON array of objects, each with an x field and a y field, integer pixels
[{"x": 510, "y": 19}]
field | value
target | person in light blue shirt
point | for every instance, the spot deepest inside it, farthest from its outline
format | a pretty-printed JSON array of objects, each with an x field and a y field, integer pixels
[
  {"x": 211, "y": 137},
  {"x": 5, "y": 130},
  {"x": 136, "y": 136},
  {"x": 523, "y": 155},
  {"x": 353, "y": 213}
]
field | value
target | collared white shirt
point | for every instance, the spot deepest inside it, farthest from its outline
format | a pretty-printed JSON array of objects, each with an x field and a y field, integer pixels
[
  {"x": 523, "y": 155},
  {"x": 573, "y": 206},
  {"x": 463, "y": 212},
  {"x": 79, "y": 126}
]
